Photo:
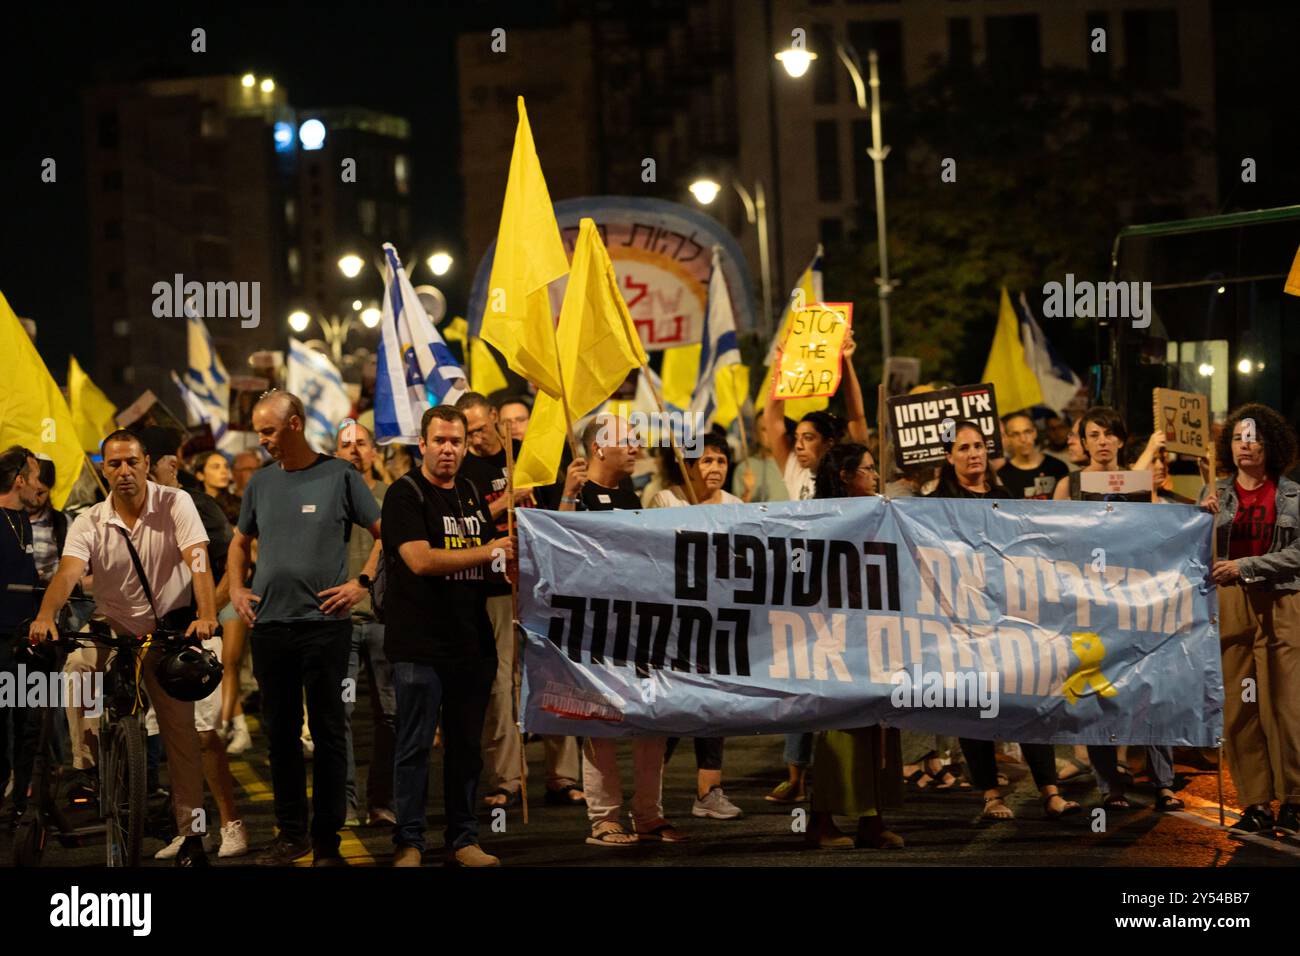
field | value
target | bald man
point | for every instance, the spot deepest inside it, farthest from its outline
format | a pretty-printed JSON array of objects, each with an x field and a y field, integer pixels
[{"x": 301, "y": 512}]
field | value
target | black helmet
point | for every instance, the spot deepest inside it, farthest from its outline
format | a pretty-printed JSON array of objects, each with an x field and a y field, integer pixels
[{"x": 189, "y": 673}]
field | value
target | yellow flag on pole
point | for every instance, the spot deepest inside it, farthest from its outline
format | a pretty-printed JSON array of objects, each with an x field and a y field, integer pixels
[
  {"x": 92, "y": 412},
  {"x": 1292, "y": 286},
  {"x": 807, "y": 291},
  {"x": 681, "y": 370},
  {"x": 598, "y": 347},
  {"x": 485, "y": 375},
  {"x": 733, "y": 390},
  {"x": 32, "y": 410},
  {"x": 529, "y": 255},
  {"x": 1014, "y": 382}
]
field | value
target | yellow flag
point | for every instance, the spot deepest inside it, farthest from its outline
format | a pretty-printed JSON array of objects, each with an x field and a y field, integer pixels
[
  {"x": 733, "y": 389},
  {"x": 529, "y": 256},
  {"x": 457, "y": 330},
  {"x": 92, "y": 412},
  {"x": 599, "y": 346},
  {"x": 485, "y": 375},
  {"x": 680, "y": 373},
  {"x": 32, "y": 410},
  {"x": 1293, "y": 277},
  {"x": 807, "y": 291},
  {"x": 1014, "y": 382}
]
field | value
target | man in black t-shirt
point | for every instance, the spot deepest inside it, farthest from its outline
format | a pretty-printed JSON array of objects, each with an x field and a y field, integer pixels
[
  {"x": 437, "y": 541},
  {"x": 485, "y": 467},
  {"x": 1028, "y": 472},
  {"x": 599, "y": 484}
]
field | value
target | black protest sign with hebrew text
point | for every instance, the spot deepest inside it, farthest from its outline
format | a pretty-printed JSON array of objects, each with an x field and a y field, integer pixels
[{"x": 920, "y": 423}]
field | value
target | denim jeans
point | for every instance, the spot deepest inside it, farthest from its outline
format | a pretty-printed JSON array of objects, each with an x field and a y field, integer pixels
[
  {"x": 288, "y": 659},
  {"x": 368, "y": 638},
  {"x": 459, "y": 692},
  {"x": 798, "y": 749}
]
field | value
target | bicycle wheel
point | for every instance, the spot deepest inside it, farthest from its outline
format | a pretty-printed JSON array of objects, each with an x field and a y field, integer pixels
[{"x": 124, "y": 790}]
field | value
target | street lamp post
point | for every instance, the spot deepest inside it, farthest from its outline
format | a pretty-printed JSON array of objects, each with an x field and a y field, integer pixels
[
  {"x": 706, "y": 190},
  {"x": 335, "y": 328},
  {"x": 848, "y": 56}
]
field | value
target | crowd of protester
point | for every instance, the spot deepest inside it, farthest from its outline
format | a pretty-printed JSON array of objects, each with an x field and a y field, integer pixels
[{"x": 297, "y": 542}]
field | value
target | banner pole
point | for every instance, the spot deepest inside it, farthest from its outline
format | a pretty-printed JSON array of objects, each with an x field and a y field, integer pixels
[
  {"x": 1213, "y": 482},
  {"x": 1155, "y": 417},
  {"x": 508, "y": 441},
  {"x": 882, "y": 466},
  {"x": 677, "y": 452}
]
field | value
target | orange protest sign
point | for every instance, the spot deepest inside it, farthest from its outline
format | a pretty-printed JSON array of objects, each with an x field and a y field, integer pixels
[{"x": 808, "y": 361}]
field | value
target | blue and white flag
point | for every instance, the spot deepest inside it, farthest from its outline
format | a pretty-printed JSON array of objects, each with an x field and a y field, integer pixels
[
  {"x": 415, "y": 367},
  {"x": 718, "y": 347},
  {"x": 1056, "y": 380},
  {"x": 314, "y": 379},
  {"x": 204, "y": 385}
]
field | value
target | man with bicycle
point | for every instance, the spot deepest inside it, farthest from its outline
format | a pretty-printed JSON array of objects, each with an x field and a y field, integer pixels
[{"x": 142, "y": 527}]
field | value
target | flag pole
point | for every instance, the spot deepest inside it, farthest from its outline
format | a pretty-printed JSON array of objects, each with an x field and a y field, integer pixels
[
  {"x": 564, "y": 397},
  {"x": 508, "y": 441},
  {"x": 1155, "y": 417},
  {"x": 740, "y": 424},
  {"x": 677, "y": 452},
  {"x": 99, "y": 479},
  {"x": 882, "y": 466}
]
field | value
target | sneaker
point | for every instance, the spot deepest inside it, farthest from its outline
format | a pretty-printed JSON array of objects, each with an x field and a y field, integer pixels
[
  {"x": 192, "y": 853},
  {"x": 408, "y": 856},
  {"x": 473, "y": 856},
  {"x": 1255, "y": 820},
  {"x": 381, "y": 817},
  {"x": 716, "y": 805},
  {"x": 234, "y": 839},
  {"x": 282, "y": 851},
  {"x": 239, "y": 740},
  {"x": 171, "y": 850},
  {"x": 1288, "y": 819}
]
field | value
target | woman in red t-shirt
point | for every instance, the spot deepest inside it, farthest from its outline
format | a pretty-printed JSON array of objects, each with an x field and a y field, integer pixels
[{"x": 1259, "y": 615}]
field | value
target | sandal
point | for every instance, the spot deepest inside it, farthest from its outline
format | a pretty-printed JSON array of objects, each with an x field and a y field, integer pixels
[
  {"x": 1116, "y": 801},
  {"x": 784, "y": 792},
  {"x": 1072, "y": 772},
  {"x": 511, "y": 799},
  {"x": 663, "y": 832},
  {"x": 1167, "y": 803},
  {"x": 1069, "y": 810},
  {"x": 950, "y": 778},
  {"x": 991, "y": 811},
  {"x": 611, "y": 833},
  {"x": 566, "y": 796},
  {"x": 1003, "y": 781}
]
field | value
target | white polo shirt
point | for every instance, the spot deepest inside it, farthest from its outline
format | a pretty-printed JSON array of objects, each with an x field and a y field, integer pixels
[{"x": 168, "y": 526}]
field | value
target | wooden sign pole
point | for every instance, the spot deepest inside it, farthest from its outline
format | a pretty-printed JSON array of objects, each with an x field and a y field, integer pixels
[{"x": 506, "y": 439}]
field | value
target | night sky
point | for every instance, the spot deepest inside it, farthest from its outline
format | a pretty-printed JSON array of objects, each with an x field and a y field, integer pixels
[{"x": 398, "y": 60}]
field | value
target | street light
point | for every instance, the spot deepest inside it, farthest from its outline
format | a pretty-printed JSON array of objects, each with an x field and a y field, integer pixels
[
  {"x": 796, "y": 61},
  {"x": 268, "y": 85},
  {"x": 351, "y": 265},
  {"x": 706, "y": 190},
  {"x": 371, "y": 317},
  {"x": 299, "y": 320},
  {"x": 849, "y": 57},
  {"x": 249, "y": 81},
  {"x": 439, "y": 263}
]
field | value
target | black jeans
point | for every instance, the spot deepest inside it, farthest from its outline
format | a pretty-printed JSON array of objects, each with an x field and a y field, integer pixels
[
  {"x": 457, "y": 693},
  {"x": 982, "y": 761},
  {"x": 708, "y": 751},
  {"x": 288, "y": 659}
]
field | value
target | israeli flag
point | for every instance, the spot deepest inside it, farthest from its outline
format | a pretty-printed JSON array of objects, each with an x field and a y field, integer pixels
[
  {"x": 415, "y": 368},
  {"x": 718, "y": 347},
  {"x": 1056, "y": 380},
  {"x": 204, "y": 385},
  {"x": 314, "y": 379}
]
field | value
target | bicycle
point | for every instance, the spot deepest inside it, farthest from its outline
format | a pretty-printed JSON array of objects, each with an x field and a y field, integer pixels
[{"x": 123, "y": 793}]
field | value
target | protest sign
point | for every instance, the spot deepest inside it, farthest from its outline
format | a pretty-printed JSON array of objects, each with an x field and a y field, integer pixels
[
  {"x": 1115, "y": 482},
  {"x": 1051, "y": 622},
  {"x": 808, "y": 362},
  {"x": 919, "y": 423},
  {"x": 902, "y": 374},
  {"x": 1185, "y": 419}
]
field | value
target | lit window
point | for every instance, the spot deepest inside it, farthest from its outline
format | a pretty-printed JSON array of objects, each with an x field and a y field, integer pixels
[{"x": 401, "y": 172}]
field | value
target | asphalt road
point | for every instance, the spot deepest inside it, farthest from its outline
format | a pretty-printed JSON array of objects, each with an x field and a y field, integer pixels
[{"x": 940, "y": 829}]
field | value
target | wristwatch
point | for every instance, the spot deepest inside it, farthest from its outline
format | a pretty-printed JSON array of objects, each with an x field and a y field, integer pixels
[{"x": 363, "y": 580}]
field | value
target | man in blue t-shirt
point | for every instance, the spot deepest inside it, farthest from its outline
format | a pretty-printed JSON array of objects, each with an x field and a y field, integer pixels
[{"x": 301, "y": 512}]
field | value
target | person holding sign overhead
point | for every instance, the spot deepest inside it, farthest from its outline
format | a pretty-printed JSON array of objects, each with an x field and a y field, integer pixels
[
  {"x": 1258, "y": 510},
  {"x": 815, "y": 433}
]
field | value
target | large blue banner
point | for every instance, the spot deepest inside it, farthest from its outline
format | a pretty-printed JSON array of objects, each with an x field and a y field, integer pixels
[{"x": 1034, "y": 621}]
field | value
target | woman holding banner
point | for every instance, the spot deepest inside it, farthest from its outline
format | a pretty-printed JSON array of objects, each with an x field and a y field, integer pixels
[
  {"x": 859, "y": 771},
  {"x": 708, "y": 477},
  {"x": 967, "y": 475},
  {"x": 1258, "y": 521}
]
